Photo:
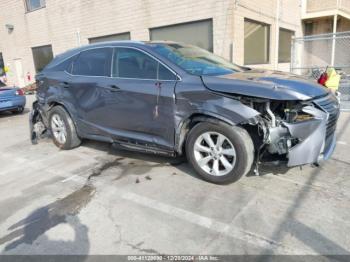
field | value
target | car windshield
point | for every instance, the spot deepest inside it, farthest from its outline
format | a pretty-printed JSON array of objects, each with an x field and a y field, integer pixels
[{"x": 195, "y": 60}]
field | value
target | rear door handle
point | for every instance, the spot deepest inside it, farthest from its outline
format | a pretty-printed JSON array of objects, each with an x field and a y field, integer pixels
[
  {"x": 114, "y": 88},
  {"x": 64, "y": 84}
]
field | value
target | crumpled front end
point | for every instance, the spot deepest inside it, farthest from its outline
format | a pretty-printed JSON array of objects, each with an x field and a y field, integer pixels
[
  {"x": 314, "y": 144},
  {"x": 296, "y": 132},
  {"x": 310, "y": 133}
]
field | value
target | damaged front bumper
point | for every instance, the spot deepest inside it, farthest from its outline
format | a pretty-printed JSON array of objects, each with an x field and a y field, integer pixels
[
  {"x": 316, "y": 143},
  {"x": 306, "y": 136},
  {"x": 37, "y": 128}
]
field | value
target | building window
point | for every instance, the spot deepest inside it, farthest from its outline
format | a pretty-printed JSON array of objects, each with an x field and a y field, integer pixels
[
  {"x": 309, "y": 28},
  {"x": 199, "y": 33},
  {"x": 42, "y": 55},
  {"x": 32, "y": 5},
  {"x": 284, "y": 45},
  {"x": 106, "y": 38},
  {"x": 256, "y": 42},
  {"x": 2, "y": 65}
]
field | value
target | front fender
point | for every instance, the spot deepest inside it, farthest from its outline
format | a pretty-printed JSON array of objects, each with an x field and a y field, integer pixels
[{"x": 212, "y": 107}]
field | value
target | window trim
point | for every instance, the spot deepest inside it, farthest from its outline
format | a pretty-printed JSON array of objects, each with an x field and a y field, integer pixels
[
  {"x": 177, "y": 76},
  {"x": 268, "y": 45},
  {"x": 27, "y": 10}
]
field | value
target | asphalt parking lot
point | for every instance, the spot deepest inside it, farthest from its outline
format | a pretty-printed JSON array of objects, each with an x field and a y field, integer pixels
[{"x": 99, "y": 200}]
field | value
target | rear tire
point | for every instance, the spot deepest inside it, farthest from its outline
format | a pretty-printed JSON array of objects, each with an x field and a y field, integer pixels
[
  {"x": 63, "y": 130},
  {"x": 220, "y": 153},
  {"x": 18, "y": 110}
]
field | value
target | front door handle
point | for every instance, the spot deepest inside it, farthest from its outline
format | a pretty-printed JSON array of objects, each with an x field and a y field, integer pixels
[{"x": 114, "y": 88}]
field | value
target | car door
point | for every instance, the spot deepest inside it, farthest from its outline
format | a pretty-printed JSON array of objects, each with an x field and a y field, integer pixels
[
  {"x": 143, "y": 102},
  {"x": 88, "y": 89}
]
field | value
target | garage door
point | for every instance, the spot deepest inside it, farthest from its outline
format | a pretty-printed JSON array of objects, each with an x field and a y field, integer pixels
[
  {"x": 106, "y": 38},
  {"x": 199, "y": 33}
]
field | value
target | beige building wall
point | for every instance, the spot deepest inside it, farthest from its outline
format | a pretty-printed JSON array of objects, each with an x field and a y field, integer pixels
[
  {"x": 66, "y": 24},
  {"x": 266, "y": 11}
]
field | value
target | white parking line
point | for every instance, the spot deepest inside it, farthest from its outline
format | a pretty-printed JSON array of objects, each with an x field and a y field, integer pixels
[
  {"x": 206, "y": 222},
  {"x": 70, "y": 178},
  {"x": 342, "y": 143}
]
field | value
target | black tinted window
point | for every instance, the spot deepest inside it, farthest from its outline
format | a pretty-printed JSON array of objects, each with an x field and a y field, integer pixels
[
  {"x": 42, "y": 55},
  {"x": 2, "y": 65},
  {"x": 164, "y": 73},
  {"x": 131, "y": 63},
  {"x": 94, "y": 62},
  {"x": 66, "y": 65}
]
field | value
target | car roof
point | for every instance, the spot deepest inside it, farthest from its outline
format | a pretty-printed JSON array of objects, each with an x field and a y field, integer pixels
[
  {"x": 121, "y": 43},
  {"x": 130, "y": 42},
  {"x": 63, "y": 56}
]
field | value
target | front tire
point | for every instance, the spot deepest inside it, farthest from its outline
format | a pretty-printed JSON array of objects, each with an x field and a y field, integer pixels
[
  {"x": 63, "y": 129},
  {"x": 220, "y": 153}
]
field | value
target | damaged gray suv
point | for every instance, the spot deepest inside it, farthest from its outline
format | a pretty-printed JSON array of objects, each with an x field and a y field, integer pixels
[{"x": 174, "y": 99}]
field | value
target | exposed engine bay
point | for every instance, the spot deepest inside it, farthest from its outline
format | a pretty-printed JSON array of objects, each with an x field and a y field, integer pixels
[{"x": 295, "y": 132}]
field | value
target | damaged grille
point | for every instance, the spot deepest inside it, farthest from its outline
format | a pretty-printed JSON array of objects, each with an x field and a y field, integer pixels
[{"x": 330, "y": 105}]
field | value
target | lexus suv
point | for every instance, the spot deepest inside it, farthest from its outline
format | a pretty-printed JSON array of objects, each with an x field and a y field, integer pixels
[{"x": 175, "y": 99}]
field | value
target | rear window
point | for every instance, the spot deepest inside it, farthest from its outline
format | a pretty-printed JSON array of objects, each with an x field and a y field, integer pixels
[
  {"x": 94, "y": 62},
  {"x": 59, "y": 64},
  {"x": 66, "y": 65}
]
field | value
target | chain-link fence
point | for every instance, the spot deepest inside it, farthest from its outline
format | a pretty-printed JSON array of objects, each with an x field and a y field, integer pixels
[{"x": 311, "y": 55}]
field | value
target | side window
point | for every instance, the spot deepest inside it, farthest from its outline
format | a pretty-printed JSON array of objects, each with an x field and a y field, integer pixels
[
  {"x": 165, "y": 74},
  {"x": 94, "y": 62},
  {"x": 131, "y": 63},
  {"x": 66, "y": 65}
]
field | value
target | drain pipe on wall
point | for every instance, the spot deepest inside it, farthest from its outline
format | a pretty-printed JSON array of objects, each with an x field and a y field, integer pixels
[
  {"x": 277, "y": 32},
  {"x": 335, "y": 19},
  {"x": 77, "y": 34}
]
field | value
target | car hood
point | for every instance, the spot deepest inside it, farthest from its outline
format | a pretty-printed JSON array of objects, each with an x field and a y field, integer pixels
[{"x": 266, "y": 84}]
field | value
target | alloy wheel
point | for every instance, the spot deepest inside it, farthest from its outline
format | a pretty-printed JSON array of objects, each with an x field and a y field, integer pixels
[
  {"x": 214, "y": 153},
  {"x": 59, "y": 129}
]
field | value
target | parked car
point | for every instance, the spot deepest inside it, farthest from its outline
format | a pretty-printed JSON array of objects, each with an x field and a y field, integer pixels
[
  {"x": 173, "y": 99},
  {"x": 11, "y": 99}
]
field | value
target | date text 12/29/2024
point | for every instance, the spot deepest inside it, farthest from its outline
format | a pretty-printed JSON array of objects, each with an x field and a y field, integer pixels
[{"x": 172, "y": 258}]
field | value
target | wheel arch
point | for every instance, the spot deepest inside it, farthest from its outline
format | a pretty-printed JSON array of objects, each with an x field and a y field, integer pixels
[
  {"x": 55, "y": 103},
  {"x": 187, "y": 124}
]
